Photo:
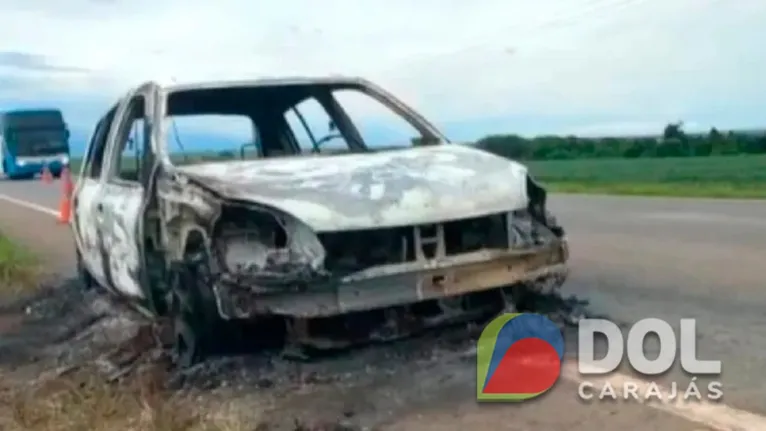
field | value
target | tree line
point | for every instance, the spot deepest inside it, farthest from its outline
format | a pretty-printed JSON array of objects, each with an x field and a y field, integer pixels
[{"x": 672, "y": 142}]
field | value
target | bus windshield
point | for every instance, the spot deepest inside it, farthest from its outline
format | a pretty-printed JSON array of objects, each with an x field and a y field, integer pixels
[{"x": 38, "y": 142}]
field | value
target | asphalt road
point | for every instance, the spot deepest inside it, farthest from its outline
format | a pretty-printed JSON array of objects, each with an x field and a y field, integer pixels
[
  {"x": 675, "y": 258},
  {"x": 632, "y": 258}
]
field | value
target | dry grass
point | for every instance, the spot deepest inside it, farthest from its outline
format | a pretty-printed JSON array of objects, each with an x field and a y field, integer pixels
[{"x": 85, "y": 401}]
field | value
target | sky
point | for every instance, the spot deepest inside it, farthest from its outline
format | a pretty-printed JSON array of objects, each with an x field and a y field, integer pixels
[{"x": 592, "y": 67}]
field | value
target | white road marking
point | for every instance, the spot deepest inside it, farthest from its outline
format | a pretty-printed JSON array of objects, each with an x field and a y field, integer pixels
[
  {"x": 717, "y": 416},
  {"x": 29, "y": 205}
]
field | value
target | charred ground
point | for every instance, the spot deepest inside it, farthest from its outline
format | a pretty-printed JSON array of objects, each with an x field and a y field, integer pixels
[{"x": 92, "y": 343}]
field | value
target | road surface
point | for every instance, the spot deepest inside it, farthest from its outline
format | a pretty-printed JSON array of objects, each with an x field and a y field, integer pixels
[{"x": 632, "y": 258}]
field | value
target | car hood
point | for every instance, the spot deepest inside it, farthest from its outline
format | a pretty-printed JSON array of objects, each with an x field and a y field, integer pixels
[{"x": 374, "y": 190}]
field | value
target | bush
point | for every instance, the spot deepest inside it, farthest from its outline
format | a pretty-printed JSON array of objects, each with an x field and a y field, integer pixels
[{"x": 673, "y": 142}]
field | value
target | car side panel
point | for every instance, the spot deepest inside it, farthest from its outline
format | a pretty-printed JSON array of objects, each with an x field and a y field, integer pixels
[
  {"x": 86, "y": 228},
  {"x": 118, "y": 229}
]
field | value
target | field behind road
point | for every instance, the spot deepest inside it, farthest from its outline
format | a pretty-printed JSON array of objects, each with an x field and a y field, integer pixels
[
  {"x": 631, "y": 257},
  {"x": 715, "y": 176}
]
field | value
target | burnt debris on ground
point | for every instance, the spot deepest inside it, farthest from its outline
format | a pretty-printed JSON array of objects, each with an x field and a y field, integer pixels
[{"x": 66, "y": 329}]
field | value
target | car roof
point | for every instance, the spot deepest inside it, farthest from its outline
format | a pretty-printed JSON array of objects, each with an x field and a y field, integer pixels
[{"x": 269, "y": 82}]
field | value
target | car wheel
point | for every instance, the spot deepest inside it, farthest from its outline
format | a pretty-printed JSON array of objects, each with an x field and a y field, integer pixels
[{"x": 193, "y": 315}]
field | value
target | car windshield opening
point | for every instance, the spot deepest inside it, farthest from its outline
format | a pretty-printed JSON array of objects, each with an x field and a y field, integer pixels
[{"x": 266, "y": 121}]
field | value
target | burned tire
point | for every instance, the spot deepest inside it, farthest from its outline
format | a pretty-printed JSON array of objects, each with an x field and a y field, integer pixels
[{"x": 193, "y": 313}]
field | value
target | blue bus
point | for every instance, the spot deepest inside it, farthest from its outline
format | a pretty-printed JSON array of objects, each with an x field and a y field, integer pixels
[{"x": 32, "y": 139}]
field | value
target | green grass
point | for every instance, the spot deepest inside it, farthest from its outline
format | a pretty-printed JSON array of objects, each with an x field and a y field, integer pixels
[
  {"x": 18, "y": 267},
  {"x": 718, "y": 176}
]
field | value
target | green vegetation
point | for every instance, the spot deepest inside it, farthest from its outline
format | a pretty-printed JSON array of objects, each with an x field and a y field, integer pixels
[
  {"x": 721, "y": 176},
  {"x": 673, "y": 164},
  {"x": 673, "y": 142},
  {"x": 18, "y": 267}
]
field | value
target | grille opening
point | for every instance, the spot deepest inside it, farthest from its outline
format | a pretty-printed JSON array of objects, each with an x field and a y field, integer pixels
[
  {"x": 357, "y": 250},
  {"x": 353, "y": 251},
  {"x": 465, "y": 236}
]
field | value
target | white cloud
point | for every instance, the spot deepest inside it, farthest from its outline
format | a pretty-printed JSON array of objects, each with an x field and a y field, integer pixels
[{"x": 456, "y": 60}]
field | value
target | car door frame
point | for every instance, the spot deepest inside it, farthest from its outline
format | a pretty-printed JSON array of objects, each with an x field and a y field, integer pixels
[
  {"x": 129, "y": 209},
  {"x": 83, "y": 208}
]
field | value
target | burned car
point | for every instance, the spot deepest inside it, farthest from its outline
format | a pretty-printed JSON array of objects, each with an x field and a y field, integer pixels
[{"x": 342, "y": 243}]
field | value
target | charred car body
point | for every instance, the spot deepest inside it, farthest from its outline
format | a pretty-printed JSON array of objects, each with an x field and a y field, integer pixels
[{"x": 376, "y": 241}]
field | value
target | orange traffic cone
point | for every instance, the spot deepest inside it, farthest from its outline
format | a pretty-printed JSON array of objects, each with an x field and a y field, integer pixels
[
  {"x": 65, "y": 205},
  {"x": 46, "y": 176},
  {"x": 66, "y": 179},
  {"x": 65, "y": 210}
]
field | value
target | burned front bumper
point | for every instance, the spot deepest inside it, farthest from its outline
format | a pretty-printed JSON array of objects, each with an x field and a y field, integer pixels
[{"x": 402, "y": 284}]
